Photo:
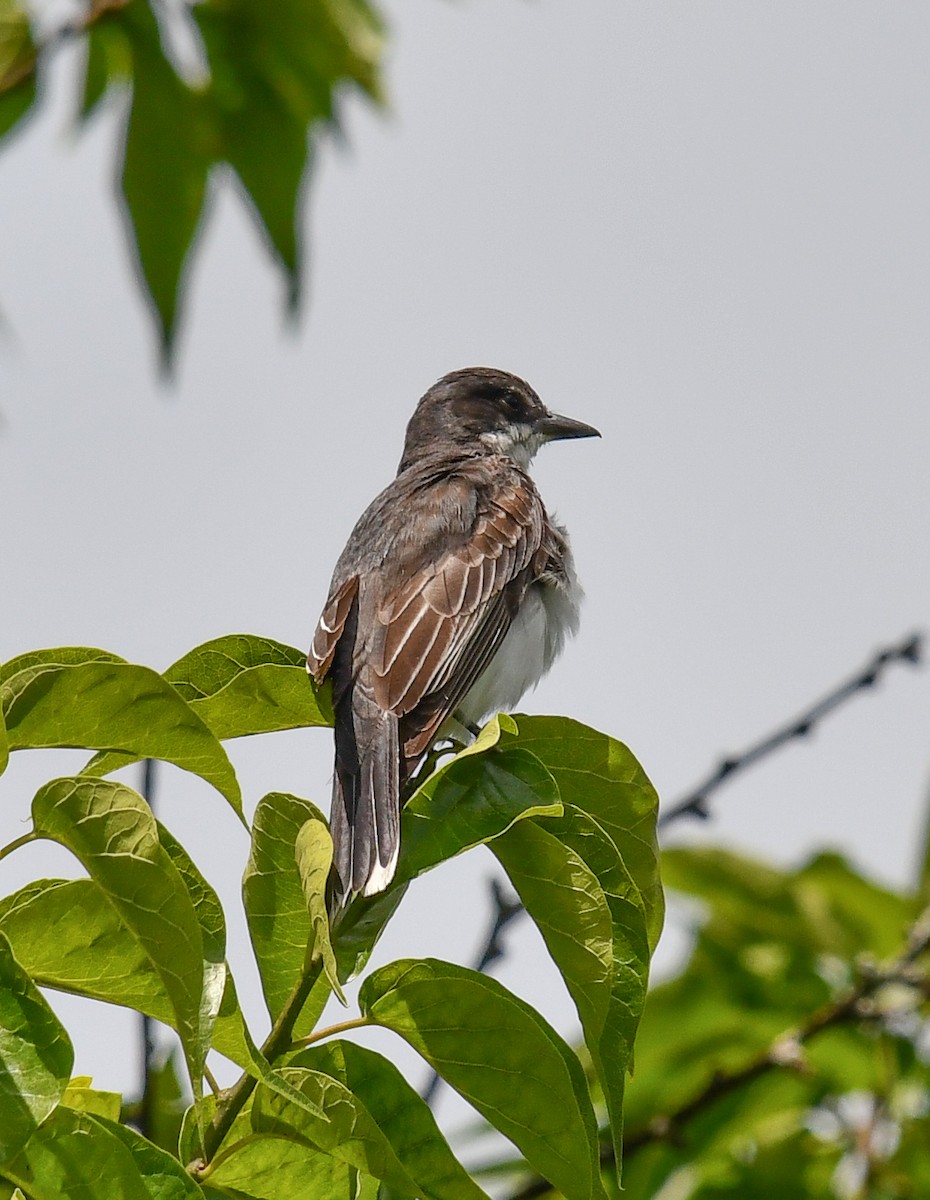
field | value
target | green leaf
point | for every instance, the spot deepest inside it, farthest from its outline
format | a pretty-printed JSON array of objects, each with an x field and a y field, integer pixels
[
  {"x": 399, "y": 1114},
  {"x": 210, "y": 918},
  {"x": 73, "y": 1156},
  {"x": 99, "y": 703},
  {"x": 599, "y": 775},
  {"x": 500, "y": 1054},
  {"x": 274, "y": 72},
  {"x": 470, "y": 801},
  {"x": 164, "y": 1176},
  {"x": 279, "y": 922},
  {"x": 111, "y": 830},
  {"x": 17, "y": 64},
  {"x": 35, "y": 1055},
  {"x": 275, "y": 1168},
  {"x": 350, "y": 1133},
  {"x": 170, "y": 146},
  {"x": 69, "y": 937},
  {"x": 574, "y": 885},
  {"x": 314, "y": 855},
  {"x": 82, "y": 1096},
  {"x": 241, "y": 684}
]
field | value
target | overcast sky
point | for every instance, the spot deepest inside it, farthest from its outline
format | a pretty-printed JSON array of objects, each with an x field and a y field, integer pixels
[{"x": 701, "y": 227}]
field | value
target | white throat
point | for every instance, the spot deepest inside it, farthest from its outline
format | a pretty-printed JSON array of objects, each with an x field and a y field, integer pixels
[{"x": 514, "y": 441}]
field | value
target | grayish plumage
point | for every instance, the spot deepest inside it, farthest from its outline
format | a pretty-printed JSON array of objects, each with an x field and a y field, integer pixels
[{"x": 452, "y": 598}]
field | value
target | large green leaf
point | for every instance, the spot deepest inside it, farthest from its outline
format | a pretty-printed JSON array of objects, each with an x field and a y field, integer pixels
[
  {"x": 111, "y": 830},
  {"x": 276, "y": 1168},
  {"x": 275, "y": 906},
  {"x": 69, "y": 937},
  {"x": 599, "y": 775},
  {"x": 399, "y": 1114},
  {"x": 350, "y": 1134},
  {"x": 17, "y": 64},
  {"x": 74, "y": 1156},
  {"x": 241, "y": 684},
  {"x": 500, "y": 1054},
  {"x": 170, "y": 145},
  {"x": 86, "y": 698},
  {"x": 35, "y": 1056},
  {"x": 164, "y": 1176},
  {"x": 472, "y": 800},
  {"x": 574, "y": 885}
]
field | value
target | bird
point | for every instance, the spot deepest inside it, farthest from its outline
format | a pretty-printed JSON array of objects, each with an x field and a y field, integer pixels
[{"x": 452, "y": 598}]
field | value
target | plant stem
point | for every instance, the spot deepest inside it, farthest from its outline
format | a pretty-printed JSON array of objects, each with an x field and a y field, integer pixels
[
  {"x": 331, "y": 1031},
  {"x": 20, "y": 841},
  {"x": 277, "y": 1041}
]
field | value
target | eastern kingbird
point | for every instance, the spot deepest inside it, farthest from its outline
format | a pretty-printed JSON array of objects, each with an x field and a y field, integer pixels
[{"x": 452, "y": 598}]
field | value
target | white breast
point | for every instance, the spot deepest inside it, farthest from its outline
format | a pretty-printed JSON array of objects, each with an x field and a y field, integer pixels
[{"x": 548, "y": 614}]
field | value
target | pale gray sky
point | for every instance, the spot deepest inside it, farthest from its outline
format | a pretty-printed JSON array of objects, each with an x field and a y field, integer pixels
[{"x": 701, "y": 227}]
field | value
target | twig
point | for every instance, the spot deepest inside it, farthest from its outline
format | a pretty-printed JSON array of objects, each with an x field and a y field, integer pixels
[
  {"x": 694, "y": 803},
  {"x": 144, "y": 1119},
  {"x": 785, "y": 1052},
  {"x": 278, "y": 1040},
  {"x": 505, "y": 909}
]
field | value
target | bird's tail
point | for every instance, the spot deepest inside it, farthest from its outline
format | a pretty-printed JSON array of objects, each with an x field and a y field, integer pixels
[{"x": 365, "y": 815}]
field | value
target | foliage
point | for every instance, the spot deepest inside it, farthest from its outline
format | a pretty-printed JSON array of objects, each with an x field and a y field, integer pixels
[
  {"x": 566, "y": 809},
  {"x": 220, "y": 84},
  {"x": 790, "y": 1057}
]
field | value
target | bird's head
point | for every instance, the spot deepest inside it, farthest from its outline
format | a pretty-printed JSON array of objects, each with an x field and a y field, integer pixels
[{"x": 479, "y": 407}]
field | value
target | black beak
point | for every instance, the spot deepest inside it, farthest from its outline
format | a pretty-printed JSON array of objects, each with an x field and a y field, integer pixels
[{"x": 554, "y": 427}]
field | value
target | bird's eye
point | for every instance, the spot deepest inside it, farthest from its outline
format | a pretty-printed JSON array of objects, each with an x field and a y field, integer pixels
[{"x": 514, "y": 404}]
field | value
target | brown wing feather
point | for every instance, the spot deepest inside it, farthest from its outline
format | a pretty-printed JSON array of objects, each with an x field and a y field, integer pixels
[
  {"x": 439, "y": 630},
  {"x": 329, "y": 630}
]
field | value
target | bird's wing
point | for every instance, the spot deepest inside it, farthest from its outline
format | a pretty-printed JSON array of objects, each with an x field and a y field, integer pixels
[
  {"x": 330, "y": 628},
  {"x": 438, "y": 630}
]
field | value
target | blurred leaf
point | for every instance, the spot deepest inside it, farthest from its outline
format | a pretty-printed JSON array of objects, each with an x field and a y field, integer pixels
[
  {"x": 599, "y": 775},
  {"x": 275, "y": 1168},
  {"x": 98, "y": 703},
  {"x": 82, "y": 1096},
  {"x": 69, "y": 937},
  {"x": 35, "y": 1056},
  {"x": 164, "y": 1104},
  {"x": 17, "y": 65},
  {"x": 574, "y": 885},
  {"x": 848, "y": 913},
  {"x": 108, "y": 60},
  {"x": 111, "y": 830},
  {"x": 350, "y": 1134},
  {"x": 170, "y": 146},
  {"x": 275, "y": 907},
  {"x": 274, "y": 73},
  {"x": 501, "y": 1056},
  {"x": 399, "y": 1113},
  {"x": 73, "y": 1156},
  {"x": 242, "y": 684},
  {"x": 314, "y": 855}
]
